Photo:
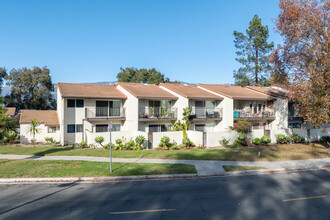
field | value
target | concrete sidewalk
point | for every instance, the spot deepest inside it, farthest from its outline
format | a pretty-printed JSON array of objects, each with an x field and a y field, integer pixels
[{"x": 203, "y": 167}]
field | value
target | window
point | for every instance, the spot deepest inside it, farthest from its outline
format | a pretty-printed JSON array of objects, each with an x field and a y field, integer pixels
[
  {"x": 79, "y": 103},
  {"x": 71, "y": 129},
  {"x": 71, "y": 103},
  {"x": 101, "y": 128},
  {"x": 52, "y": 129},
  {"x": 79, "y": 128},
  {"x": 294, "y": 125},
  {"x": 154, "y": 128},
  {"x": 164, "y": 128},
  {"x": 115, "y": 127},
  {"x": 200, "y": 127}
]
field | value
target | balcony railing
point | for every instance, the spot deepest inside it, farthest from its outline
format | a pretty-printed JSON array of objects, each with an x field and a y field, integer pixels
[
  {"x": 104, "y": 112},
  {"x": 205, "y": 113},
  {"x": 250, "y": 115},
  {"x": 149, "y": 113}
]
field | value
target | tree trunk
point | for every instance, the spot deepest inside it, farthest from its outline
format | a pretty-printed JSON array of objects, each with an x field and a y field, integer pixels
[{"x": 256, "y": 66}]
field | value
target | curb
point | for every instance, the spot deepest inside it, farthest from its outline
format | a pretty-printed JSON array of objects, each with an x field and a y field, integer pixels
[{"x": 148, "y": 177}]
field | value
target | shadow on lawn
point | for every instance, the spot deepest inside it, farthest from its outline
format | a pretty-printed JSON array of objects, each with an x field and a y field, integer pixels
[{"x": 53, "y": 150}]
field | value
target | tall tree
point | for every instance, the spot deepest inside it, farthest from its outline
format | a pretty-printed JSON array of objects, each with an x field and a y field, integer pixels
[
  {"x": 7, "y": 124},
  {"x": 30, "y": 89},
  {"x": 278, "y": 73},
  {"x": 130, "y": 74},
  {"x": 304, "y": 25},
  {"x": 252, "y": 51},
  {"x": 3, "y": 73}
]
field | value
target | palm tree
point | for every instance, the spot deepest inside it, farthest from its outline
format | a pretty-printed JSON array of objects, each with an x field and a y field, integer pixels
[{"x": 33, "y": 129}]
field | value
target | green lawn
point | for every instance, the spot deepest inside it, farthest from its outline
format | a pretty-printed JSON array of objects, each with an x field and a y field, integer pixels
[
  {"x": 268, "y": 153},
  {"x": 228, "y": 168},
  {"x": 33, "y": 168}
]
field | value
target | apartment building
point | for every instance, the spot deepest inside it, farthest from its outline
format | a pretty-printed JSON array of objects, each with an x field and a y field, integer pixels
[
  {"x": 85, "y": 110},
  {"x": 206, "y": 108}
]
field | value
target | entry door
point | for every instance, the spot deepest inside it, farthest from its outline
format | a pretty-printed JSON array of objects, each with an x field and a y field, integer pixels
[{"x": 102, "y": 108}]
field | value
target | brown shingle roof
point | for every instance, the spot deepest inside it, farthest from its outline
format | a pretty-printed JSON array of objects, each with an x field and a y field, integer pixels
[
  {"x": 235, "y": 92},
  {"x": 269, "y": 91},
  {"x": 190, "y": 91},
  {"x": 75, "y": 90},
  {"x": 48, "y": 117},
  {"x": 149, "y": 91},
  {"x": 10, "y": 111}
]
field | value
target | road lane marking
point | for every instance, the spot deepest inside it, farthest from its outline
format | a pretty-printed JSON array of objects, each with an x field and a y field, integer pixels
[
  {"x": 312, "y": 197},
  {"x": 142, "y": 211}
]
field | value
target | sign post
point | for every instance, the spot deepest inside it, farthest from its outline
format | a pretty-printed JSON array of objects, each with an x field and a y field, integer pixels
[{"x": 110, "y": 128}]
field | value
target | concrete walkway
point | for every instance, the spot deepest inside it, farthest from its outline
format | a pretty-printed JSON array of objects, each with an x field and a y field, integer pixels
[{"x": 203, "y": 167}]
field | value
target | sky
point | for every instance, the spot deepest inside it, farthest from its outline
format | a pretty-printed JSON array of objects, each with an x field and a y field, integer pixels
[{"x": 89, "y": 41}]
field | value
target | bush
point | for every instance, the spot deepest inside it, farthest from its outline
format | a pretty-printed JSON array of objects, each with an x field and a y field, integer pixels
[
  {"x": 165, "y": 143},
  {"x": 256, "y": 141},
  {"x": 140, "y": 140},
  {"x": 281, "y": 139},
  {"x": 6, "y": 140},
  {"x": 324, "y": 139},
  {"x": 137, "y": 147},
  {"x": 129, "y": 145},
  {"x": 297, "y": 139},
  {"x": 241, "y": 127},
  {"x": 119, "y": 144},
  {"x": 236, "y": 144},
  {"x": 187, "y": 142},
  {"x": 265, "y": 140},
  {"x": 223, "y": 142},
  {"x": 83, "y": 144},
  {"x": 11, "y": 135},
  {"x": 107, "y": 146},
  {"x": 49, "y": 140},
  {"x": 241, "y": 140},
  {"x": 99, "y": 140}
]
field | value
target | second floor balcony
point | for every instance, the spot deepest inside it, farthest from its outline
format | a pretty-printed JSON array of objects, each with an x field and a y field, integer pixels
[
  {"x": 250, "y": 115},
  {"x": 157, "y": 113},
  {"x": 205, "y": 113},
  {"x": 104, "y": 113}
]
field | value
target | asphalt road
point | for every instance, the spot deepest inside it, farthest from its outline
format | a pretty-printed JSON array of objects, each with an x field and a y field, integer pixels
[{"x": 241, "y": 197}]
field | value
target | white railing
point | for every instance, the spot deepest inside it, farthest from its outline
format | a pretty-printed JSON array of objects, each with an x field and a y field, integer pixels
[
  {"x": 243, "y": 113},
  {"x": 204, "y": 112},
  {"x": 104, "y": 112},
  {"x": 157, "y": 112}
]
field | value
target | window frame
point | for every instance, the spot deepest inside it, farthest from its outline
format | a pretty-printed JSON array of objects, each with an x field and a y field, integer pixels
[
  {"x": 99, "y": 125},
  {"x": 53, "y": 131},
  {"x": 79, "y": 126},
  {"x": 72, "y": 126},
  {"x": 81, "y": 101},
  {"x": 71, "y": 106}
]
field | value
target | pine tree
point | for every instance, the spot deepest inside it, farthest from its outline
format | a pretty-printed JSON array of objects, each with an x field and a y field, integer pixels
[{"x": 252, "y": 52}]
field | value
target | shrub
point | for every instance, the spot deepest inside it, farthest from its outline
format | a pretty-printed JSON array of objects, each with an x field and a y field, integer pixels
[
  {"x": 107, "y": 146},
  {"x": 129, "y": 145},
  {"x": 174, "y": 147},
  {"x": 241, "y": 139},
  {"x": 83, "y": 144},
  {"x": 265, "y": 140},
  {"x": 137, "y": 147},
  {"x": 49, "y": 140},
  {"x": 236, "y": 144},
  {"x": 140, "y": 140},
  {"x": 6, "y": 140},
  {"x": 119, "y": 144},
  {"x": 256, "y": 141},
  {"x": 187, "y": 142},
  {"x": 99, "y": 140},
  {"x": 165, "y": 143},
  {"x": 223, "y": 142},
  {"x": 281, "y": 139},
  {"x": 11, "y": 135},
  {"x": 33, "y": 141},
  {"x": 297, "y": 139},
  {"x": 241, "y": 127},
  {"x": 324, "y": 139}
]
